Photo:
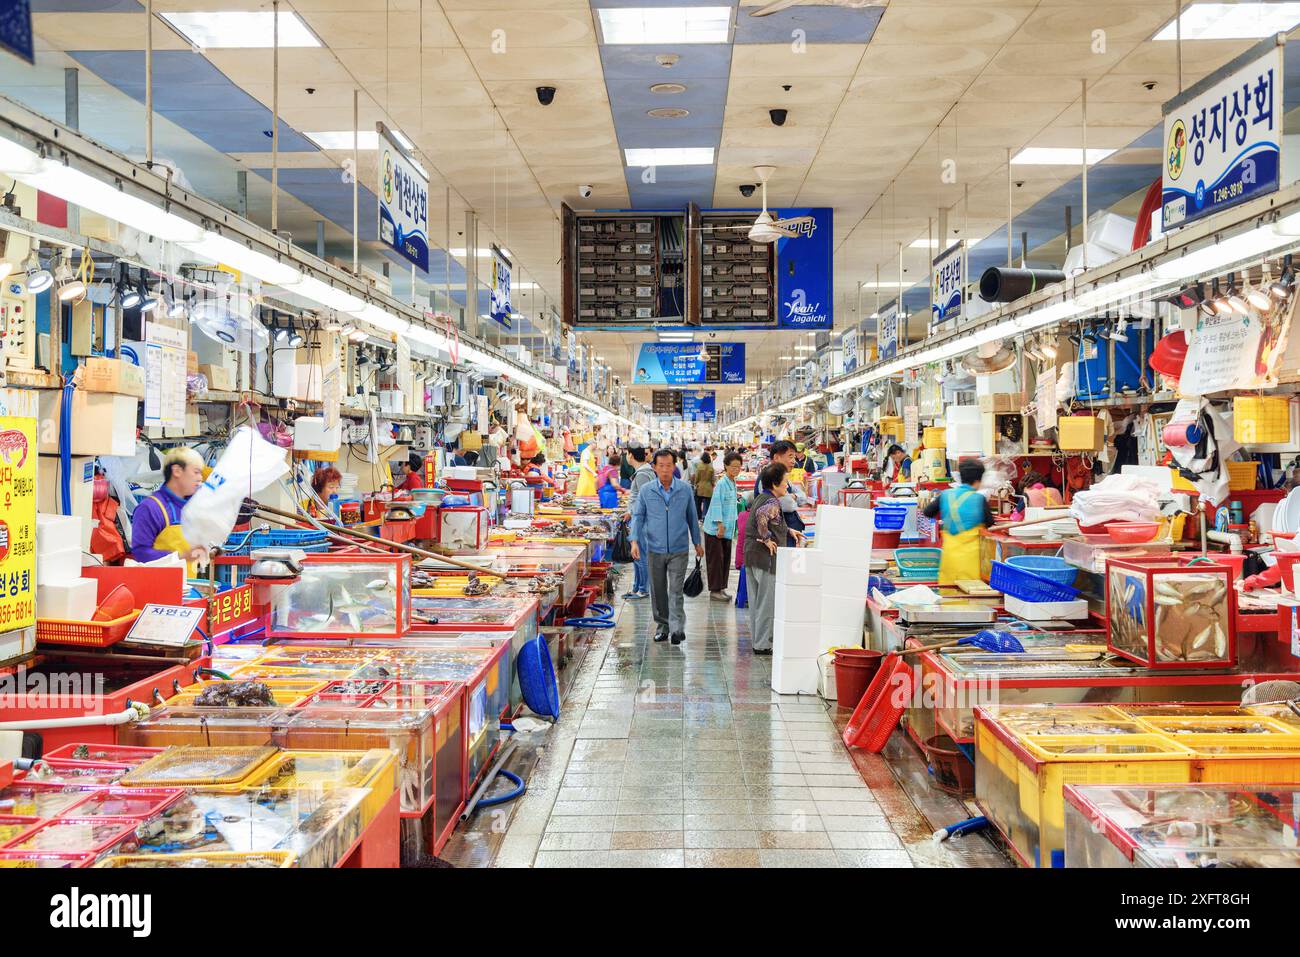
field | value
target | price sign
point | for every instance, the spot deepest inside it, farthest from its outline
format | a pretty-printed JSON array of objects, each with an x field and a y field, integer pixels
[{"x": 167, "y": 625}]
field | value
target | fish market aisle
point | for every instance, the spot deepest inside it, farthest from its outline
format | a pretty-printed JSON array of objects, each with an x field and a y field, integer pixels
[{"x": 683, "y": 756}]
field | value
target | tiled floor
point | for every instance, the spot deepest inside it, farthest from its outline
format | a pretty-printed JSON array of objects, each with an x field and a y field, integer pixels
[{"x": 683, "y": 757}]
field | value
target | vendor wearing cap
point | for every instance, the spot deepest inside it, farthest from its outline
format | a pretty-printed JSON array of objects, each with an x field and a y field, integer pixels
[
  {"x": 900, "y": 469},
  {"x": 964, "y": 511},
  {"x": 156, "y": 522},
  {"x": 414, "y": 474}
]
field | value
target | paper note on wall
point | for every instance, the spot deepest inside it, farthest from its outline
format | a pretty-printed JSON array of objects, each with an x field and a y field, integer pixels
[{"x": 164, "y": 384}]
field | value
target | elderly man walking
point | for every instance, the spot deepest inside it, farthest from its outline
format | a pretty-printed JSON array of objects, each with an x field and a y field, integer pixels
[{"x": 665, "y": 523}]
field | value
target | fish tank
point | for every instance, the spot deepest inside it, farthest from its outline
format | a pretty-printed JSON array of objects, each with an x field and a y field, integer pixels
[
  {"x": 422, "y": 721},
  {"x": 1183, "y": 826},
  {"x": 1172, "y": 614},
  {"x": 342, "y": 596}
]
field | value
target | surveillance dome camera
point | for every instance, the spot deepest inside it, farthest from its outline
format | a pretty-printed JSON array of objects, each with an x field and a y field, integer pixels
[
  {"x": 585, "y": 192},
  {"x": 747, "y": 190},
  {"x": 1019, "y": 183},
  {"x": 778, "y": 116},
  {"x": 546, "y": 95}
]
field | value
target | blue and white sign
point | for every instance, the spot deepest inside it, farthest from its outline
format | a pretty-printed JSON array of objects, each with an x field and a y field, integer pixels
[
  {"x": 887, "y": 331},
  {"x": 403, "y": 201},
  {"x": 947, "y": 282},
  {"x": 849, "y": 349},
  {"x": 805, "y": 270},
  {"x": 16, "y": 28},
  {"x": 690, "y": 363},
  {"x": 824, "y": 368},
  {"x": 699, "y": 406},
  {"x": 499, "y": 304},
  {"x": 1222, "y": 137}
]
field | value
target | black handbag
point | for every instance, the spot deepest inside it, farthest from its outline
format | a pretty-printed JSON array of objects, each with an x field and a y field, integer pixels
[
  {"x": 693, "y": 587},
  {"x": 622, "y": 549}
]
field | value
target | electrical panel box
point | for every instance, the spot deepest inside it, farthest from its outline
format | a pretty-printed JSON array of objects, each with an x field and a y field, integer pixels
[{"x": 18, "y": 330}]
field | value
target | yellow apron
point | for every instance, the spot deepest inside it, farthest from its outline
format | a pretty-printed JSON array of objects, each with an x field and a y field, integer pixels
[
  {"x": 961, "y": 550},
  {"x": 587, "y": 473},
  {"x": 171, "y": 538}
]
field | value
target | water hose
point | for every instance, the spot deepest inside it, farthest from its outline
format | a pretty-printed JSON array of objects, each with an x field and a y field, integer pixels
[
  {"x": 132, "y": 712},
  {"x": 518, "y": 791},
  {"x": 968, "y": 826},
  {"x": 603, "y": 617},
  {"x": 498, "y": 768},
  {"x": 65, "y": 452}
]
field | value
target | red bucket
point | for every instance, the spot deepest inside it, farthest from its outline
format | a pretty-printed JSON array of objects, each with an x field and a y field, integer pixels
[
  {"x": 953, "y": 771},
  {"x": 854, "y": 669},
  {"x": 1286, "y": 565},
  {"x": 885, "y": 539}
]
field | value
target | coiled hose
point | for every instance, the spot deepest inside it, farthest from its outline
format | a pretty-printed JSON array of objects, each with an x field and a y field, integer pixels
[{"x": 603, "y": 617}]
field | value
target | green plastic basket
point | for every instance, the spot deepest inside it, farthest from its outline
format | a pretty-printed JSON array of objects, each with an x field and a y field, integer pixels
[{"x": 918, "y": 563}]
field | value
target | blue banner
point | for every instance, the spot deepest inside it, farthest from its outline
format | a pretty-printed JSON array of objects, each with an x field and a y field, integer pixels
[
  {"x": 947, "y": 283},
  {"x": 16, "y": 28},
  {"x": 499, "y": 307},
  {"x": 690, "y": 363},
  {"x": 1223, "y": 138},
  {"x": 699, "y": 406},
  {"x": 805, "y": 271},
  {"x": 403, "y": 202}
]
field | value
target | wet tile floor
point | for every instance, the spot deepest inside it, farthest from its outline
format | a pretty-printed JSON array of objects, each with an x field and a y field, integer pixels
[{"x": 684, "y": 757}]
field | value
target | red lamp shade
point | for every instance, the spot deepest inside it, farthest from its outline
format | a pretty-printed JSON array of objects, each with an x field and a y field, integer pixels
[{"x": 1169, "y": 354}]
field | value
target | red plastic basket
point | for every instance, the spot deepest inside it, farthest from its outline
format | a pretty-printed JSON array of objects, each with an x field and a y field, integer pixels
[
  {"x": 85, "y": 634},
  {"x": 882, "y": 705}
]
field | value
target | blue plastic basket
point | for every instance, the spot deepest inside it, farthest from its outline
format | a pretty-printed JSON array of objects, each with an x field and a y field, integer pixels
[
  {"x": 537, "y": 678},
  {"x": 890, "y": 518},
  {"x": 1047, "y": 566},
  {"x": 289, "y": 538},
  {"x": 1027, "y": 586},
  {"x": 919, "y": 564}
]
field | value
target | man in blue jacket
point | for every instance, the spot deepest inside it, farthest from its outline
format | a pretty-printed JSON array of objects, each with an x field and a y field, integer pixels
[{"x": 665, "y": 523}]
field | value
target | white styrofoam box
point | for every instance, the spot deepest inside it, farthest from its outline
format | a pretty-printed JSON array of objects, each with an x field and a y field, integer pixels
[
  {"x": 311, "y": 435},
  {"x": 963, "y": 430},
  {"x": 57, "y": 533},
  {"x": 1111, "y": 231},
  {"x": 845, "y": 582},
  {"x": 826, "y": 677},
  {"x": 284, "y": 373},
  {"x": 67, "y": 601},
  {"x": 798, "y": 566},
  {"x": 1073, "y": 610},
  {"x": 843, "y": 611},
  {"x": 796, "y": 639},
  {"x": 839, "y": 636},
  {"x": 60, "y": 566},
  {"x": 841, "y": 552},
  {"x": 17, "y": 643},
  {"x": 842, "y": 520},
  {"x": 794, "y": 675},
  {"x": 81, "y": 487},
  {"x": 798, "y": 603}
]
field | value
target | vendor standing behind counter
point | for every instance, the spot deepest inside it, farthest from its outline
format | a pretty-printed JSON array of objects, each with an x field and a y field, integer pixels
[
  {"x": 963, "y": 511},
  {"x": 156, "y": 522}
]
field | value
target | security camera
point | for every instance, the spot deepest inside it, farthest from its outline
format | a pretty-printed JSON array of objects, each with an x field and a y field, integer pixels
[
  {"x": 546, "y": 95},
  {"x": 585, "y": 192},
  {"x": 778, "y": 116},
  {"x": 747, "y": 190},
  {"x": 1020, "y": 183}
]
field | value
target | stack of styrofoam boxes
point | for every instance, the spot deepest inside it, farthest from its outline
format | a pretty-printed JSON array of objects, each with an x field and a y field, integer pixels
[
  {"x": 843, "y": 536},
  {"x": 61, "y": 592},
  {"x": 796, "y": 633}
]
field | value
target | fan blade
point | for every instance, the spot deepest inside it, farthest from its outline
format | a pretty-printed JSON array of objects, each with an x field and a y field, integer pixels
[
  {"x": 772, "y": 8},
  {"x": 793, "y": 222}
]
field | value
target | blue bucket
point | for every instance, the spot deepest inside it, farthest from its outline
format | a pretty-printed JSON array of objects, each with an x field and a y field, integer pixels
[{"x": 537, "y": 678}]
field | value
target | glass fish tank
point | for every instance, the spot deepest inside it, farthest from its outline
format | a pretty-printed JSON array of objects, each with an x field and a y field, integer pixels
[
  {"x": 344, "y": 596},
  {"x": 1172, "y": 615},
  {"x": 1184, "y": 826}
]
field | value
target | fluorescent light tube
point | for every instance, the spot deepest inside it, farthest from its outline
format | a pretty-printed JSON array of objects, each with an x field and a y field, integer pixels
[
  {"x": 1232, "y": 21},
  {"x": 638, "y": 25},
  {"x": 669, "y": 156},
  {"x": 240, "y": 29},
  {"x": 1057, "y": 156}
]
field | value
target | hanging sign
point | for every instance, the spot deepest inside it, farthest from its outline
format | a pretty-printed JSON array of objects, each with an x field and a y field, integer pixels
[
  {"x": 911, "y": 424},
  {"x": 849, "y": 349},
  {"x": 947, "y": 280},
  {"x": 16, "y": 29},
  {"x": 805, "y": 270},
  {"x": 824, "y": 369},
  {"x": 17, "y": 523},
  {"x": 1234, "y": 352},
  {"x": 887, "y": 331},
  {"x": 688, "y": 363},
  {"x": 403, "y": 201},
  {"x": 1222, "y": 137},
  {"x": 499, "y": 304}
]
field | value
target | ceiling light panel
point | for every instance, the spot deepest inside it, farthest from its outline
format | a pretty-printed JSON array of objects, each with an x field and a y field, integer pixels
[
  {"x": 1057, "y": 156},
  {"x": 670, "y": 156},
  {"x": 1233, "y": 21},
  {"x": 342, "y": 139},
  {"x": 240, "y": 29},
  {"x": 639, "y": 25}
]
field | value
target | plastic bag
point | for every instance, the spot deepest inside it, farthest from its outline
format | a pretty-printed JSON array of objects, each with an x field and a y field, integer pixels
[
  {"x": 249, "y": 464},
  {"x": 622, "y": 550}
]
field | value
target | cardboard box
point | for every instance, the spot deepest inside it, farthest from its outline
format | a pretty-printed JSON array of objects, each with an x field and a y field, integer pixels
[
  {"x": 82, "y": 488},
  {"x": 220, "y": 379},
  {"x": 102, "y": 423},
  {"x": 116, "y": 376},
  {"x": 1080, "y": 433},
  {"x": 191, "y": 363},
  {"x": 797, "y": 603},
  {"x": 1000, "y": 402}
]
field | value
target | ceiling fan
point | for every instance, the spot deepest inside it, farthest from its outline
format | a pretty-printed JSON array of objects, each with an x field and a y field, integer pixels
[
  {"x": 779, "y": 5},
  {"x": 767, "y": 228}
]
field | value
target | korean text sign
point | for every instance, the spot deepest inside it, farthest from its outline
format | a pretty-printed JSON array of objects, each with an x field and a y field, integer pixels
[
  {"x": 948, "y": 278},
  {"x": 1222, "y": 138},
  {"x": 17, "y": 522},
  {"x": 887, "y": 331},
  {"x": 667, "y": 363},
  {"x": 403, "y": 202}
]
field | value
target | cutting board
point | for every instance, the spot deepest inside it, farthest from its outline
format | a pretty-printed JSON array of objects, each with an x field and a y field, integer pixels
[{"x": 976, "y": 588}]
